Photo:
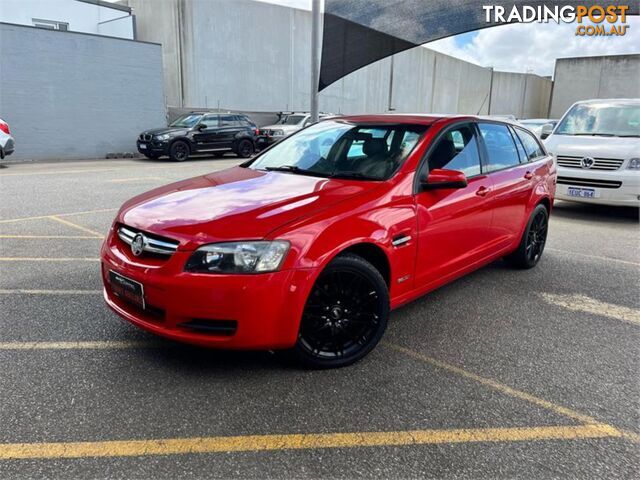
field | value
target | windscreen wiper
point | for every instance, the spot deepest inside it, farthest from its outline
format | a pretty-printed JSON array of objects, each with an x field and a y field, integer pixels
[
  {"x": 354, "y": 175},
  {"x": 294, "y": 169},
  {"x": 595, "y": 134}
]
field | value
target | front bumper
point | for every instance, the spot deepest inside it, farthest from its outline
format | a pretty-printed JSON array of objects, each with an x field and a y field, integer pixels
[
  {"x": 265, "y": 308},
  {"x": 264, "y": 141},
  {"x": 8, "y": 147},
  {"x": 153, "y": 147},
  {"x": 618, "y": 188}
]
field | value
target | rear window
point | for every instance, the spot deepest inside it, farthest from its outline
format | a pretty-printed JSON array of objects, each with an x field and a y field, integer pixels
[{"x": 500, "y": 145}]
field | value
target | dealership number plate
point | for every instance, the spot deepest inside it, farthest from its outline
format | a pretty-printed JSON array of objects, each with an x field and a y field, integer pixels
[
  {"x": 127, "y": 289},
  {"x": 581, "y": 192},
  {"x": 143, "y": 146}
]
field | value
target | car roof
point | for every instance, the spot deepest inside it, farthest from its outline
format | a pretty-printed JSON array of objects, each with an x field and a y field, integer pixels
[
  {"x": 633, "y": 101},
  {"x": 416, "y": 118}
]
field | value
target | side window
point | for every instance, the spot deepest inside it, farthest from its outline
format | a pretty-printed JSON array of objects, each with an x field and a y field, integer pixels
[
  {"x": 521, "y": 153},
  {"x": 228, "y": 121},
  {"x": 500, "y": 146},
  {"x": 531, "y": 145},
  {"x": 457, "y": 150},
  {"x": 211, "y": 121}
]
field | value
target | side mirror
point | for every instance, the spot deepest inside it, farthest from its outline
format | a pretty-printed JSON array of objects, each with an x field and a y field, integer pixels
[
  {"x": 547, "y": 128},
  {"x": 201, "y": 126},
  {"x": 440, "y": 178}
]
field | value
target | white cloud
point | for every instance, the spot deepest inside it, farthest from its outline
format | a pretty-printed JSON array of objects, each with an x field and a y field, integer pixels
[{"x": 534, "y": 47}]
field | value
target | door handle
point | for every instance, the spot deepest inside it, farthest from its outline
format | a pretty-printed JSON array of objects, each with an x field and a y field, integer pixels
[
  {"x": 528, "y": 175},
  {"x": 483, "y": 191}
]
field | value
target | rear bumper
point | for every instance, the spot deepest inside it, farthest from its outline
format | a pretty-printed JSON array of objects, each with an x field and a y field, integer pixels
[
  {"x": 264, "y": 309},
  {"x": 620, "y": 188}
]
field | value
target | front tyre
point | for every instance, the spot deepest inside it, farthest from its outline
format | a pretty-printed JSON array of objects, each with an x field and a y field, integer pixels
[
  {"x": 533, "y": 240},
  {"x": 179, "y": 151},
  {"x": 345, "y": 315}
]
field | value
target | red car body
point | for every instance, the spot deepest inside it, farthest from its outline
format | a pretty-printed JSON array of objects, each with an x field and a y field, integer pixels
[{"x": 447, "y": 233}]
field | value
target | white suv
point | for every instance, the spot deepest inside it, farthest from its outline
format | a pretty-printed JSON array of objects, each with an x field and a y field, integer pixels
[
  {"x": 597, "y": 147},
  {"x": 6, "y": 140}
]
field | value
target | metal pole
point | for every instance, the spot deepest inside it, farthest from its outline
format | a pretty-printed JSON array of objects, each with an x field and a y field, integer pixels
[{"x": 315, "y": 58}]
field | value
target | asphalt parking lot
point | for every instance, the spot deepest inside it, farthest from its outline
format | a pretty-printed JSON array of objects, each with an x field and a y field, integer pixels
[{"x": 502, "y": 374}]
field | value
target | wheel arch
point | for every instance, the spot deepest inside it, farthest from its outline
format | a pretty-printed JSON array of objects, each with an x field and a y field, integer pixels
[{"x": 372, "y": 253}]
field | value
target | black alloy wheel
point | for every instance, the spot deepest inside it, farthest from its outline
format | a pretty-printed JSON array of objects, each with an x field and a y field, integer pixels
[
  {"x": 179, "y": 151},
  {"x": 533, "y": 240},
  {"x": 245, "y": 148},
  {"x": 345, "y": 315}
]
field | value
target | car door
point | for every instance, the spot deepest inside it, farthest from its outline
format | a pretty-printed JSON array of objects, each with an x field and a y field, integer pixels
[
  {"x": 229, "y": 128},
  {"x": 207, "y": 138},
  {"x": 453, "y": 224},
  {"x": 512, "y": 179}
]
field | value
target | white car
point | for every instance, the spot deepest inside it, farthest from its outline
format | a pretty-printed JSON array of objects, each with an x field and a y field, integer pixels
[
  {"x": 597, "y": 149},
  {"x": 288, "y": 124},
  {"x": 6, "y": 140},
  {"x": 536, "y": 125}
]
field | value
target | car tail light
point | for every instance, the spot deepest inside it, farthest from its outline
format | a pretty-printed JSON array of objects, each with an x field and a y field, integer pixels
[
  {"x": 257, "y": 131},
  {"x": 5, "y": 127}
]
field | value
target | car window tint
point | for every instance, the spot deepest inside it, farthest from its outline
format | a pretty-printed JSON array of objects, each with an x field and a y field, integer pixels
[
  {"x": 531, "y": 145},
  {"x": 521, "y": 153},
  {"x": 457, "y": 149},
  {"x": 211, "y": 121},
  {"x": 501, "y": 147},
  {"x": 228, "y": 121}
]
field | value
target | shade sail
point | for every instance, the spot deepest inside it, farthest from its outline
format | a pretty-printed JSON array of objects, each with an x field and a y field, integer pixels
[{"x": 360, "y": 32}]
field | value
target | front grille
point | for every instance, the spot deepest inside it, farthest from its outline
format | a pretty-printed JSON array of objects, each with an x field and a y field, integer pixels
[
  {"x": 598, "y": 164},
  {"x": 588, "y": 182},
  {"x": 150, "y": 243},
  {"x": 146, "y": 137},
  {"x": 211, "y": 327}
]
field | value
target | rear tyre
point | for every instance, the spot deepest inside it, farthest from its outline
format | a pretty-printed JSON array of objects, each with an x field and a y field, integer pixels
[
  {"x": 533, "y": 240},
  {"x": 245, "y": 148},
  {"x": 179, "y": 151},
  {"x": 345, "y": 315}
]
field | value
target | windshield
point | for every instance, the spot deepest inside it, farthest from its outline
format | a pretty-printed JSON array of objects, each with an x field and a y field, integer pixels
[
  {"x": 291, "y": 120},
  {"x": 188, "y": 121},
  {"x": 605, "y": 119},
  {"x": 343, "y": 150}
]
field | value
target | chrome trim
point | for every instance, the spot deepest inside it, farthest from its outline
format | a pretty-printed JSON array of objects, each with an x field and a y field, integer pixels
[
  {"x": 151, "y": 244},
  {"x": 598, "y": 163},
  {"x": 400, "y": 240}
]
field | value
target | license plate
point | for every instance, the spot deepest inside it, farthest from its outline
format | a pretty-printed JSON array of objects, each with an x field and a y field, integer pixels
[
  {"x": 127, "y": 289},
  {"x": 143, "y": 146},
  {"x": 582, "y": 192}
]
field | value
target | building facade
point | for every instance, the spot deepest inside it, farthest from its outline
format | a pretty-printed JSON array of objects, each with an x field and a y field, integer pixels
[{"x": 85, "y": 16}]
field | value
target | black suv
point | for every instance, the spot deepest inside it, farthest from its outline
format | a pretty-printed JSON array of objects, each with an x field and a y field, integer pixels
[{"x": 201, "y": 132}]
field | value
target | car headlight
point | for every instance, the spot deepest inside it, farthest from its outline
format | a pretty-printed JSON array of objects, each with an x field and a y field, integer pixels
[
  {"x": 238, "y": 257},
  {"x": 164, "y": 137},
  {"x": 634, "y": 164}
]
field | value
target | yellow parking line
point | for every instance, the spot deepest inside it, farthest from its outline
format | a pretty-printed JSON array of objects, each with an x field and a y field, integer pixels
[
  {"x": 21, "y": 291},
  {"x": 69, "y": 214},
  {"x": 48, "y": 259},
  {"x": 74, "y": 225},
  {"x": 51, "y": 237},
  {"x": 512, "y": 392},
  {"x": 57, "y": 172},
  {"x": 595, "y": 257},
  {"x": 256, "y": 443},
  {"x": 79, "y": 345},
  {"x": 582, "y": 303},
  {"x": 135, "y": 179}
]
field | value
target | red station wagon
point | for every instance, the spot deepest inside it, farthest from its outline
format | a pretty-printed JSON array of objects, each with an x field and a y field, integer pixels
[{"x": 309, "y": 245}]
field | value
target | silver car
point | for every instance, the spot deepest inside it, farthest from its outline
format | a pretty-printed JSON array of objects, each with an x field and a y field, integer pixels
[{"x": 7, "y": 143}]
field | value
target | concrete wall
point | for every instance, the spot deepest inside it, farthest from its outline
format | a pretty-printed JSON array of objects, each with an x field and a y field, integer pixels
[
  {"x": 81, "y": 16},
  {"x": 616, "y": 76},
  {"x": 73, "y": 95},
  {"x": 253, "y": 56}
]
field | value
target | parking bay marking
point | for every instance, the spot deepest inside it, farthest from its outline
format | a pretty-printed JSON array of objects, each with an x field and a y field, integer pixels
[
  {"x": 582, "y": 303},
  {"x": 52, "y": 237},
  {"x": 255, "y": 443},
  {"x": 76, "y": 226},
  {"x": 79, "y": 345},
  {"x": 58, "y": 215},
  {"x": 595, "y": 257},
  {"x": 21, "y": 291},
  {"x": 48, "y": 259}
]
